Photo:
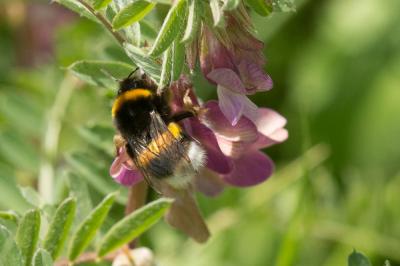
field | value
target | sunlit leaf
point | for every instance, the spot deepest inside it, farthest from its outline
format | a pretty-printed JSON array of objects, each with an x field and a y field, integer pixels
[
  {"x": 149, "y": 65},
  {"x": 77, "y": 7},
  {"x": 217, "y": 13},
  {"x": 133, "y": 225},
  {"x": 170, "y": 29},
  {"x": 178, "y": 59},
  {"x": 101, "y": 73},
  {"x": 78, "y": 189},
  {"x": 132, "y": 13},
  {"x": 9, "y": 215},
  {"x": 193, "y": 21},
  {"x": 230, "y": 4},
  {"x": 166, "y": 68},
  {"x": 9, "y": 252},
  {"x": 89, "y": 227},
  {"x": 261, "y": 7},
  {"x": 358, "y": 259},
  {"x": 42, "y": 258},
  {"x": 59, "y": 227},
  {"x": 99, "y": 4},
  {"x": 27, "y": 235}
]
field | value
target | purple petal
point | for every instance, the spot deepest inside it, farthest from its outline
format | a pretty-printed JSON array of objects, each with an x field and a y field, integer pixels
[
  {"x": 233, "y": 149},
  {"x": 254, "y": 77},
  {"x": 216, "y": 160},
  {"x": 231, "y": 104},
  {"x": 250, "y": 109},
  {"x": 128, "y": 177},
  {"x": 209, "y": 183},
  {"x": 227, "y": 78},
  {"x": 244, "y": 130},
  {"x": 251, "y": 169}
]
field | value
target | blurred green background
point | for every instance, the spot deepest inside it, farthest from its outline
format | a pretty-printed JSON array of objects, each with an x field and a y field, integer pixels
[{"x": 336, "y": 71}]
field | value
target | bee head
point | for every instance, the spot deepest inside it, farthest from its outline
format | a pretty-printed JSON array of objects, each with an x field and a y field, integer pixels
[{"x": 133, "y": 81}]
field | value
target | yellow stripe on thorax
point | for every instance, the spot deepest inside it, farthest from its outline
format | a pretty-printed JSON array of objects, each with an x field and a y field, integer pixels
[
  {"x": 129, "y": 95},
  {"x": 161, "y": 143}
]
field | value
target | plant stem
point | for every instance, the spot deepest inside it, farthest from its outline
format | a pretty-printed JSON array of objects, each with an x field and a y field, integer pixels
[
  {"x": 51, "y": 137},
  {"x": 105, "y": 22},
  {"x": 136, "y": 198}
]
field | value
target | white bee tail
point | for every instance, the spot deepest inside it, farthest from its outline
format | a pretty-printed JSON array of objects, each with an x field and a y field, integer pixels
[{"x": 185, "y": 215}]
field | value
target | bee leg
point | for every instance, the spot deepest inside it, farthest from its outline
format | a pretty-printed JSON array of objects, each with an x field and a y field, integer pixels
[{"x": 182, "y": 115}]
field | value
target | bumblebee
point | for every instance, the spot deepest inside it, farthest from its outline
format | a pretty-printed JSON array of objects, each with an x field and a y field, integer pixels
[{"x": 154, "y": 140}]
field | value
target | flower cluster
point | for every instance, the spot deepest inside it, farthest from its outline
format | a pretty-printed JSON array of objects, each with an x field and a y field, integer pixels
[{"x": 233, "y": 129}]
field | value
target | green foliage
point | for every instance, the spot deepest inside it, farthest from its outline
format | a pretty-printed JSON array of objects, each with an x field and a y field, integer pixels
[
  {"x": 193, "y": 21},
  {"x": 42, "y": 258},
  {"x": 358, "y": 259},
  {"x": 101, "y": 73},
  {"x": 262, "y": 8},
  {"x": 59, "y": 227},
  {"x": 27, "y": 235},
  {"x": 133, "y": 225},
  {"x": 149, "y": 65},
  {"x": 78, "y": 7},
  {"x": 99, "y": 4},
  {"x": 9, "y": 252},
  {"x": 171, "y": 28},
  {"x": 89, "y": 227},
  {"x": 132, "y": 13}
]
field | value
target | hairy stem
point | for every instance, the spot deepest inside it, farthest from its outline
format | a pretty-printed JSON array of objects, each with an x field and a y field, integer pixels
[
  {"x": 136, "y": 199},
  {"x": 105, "y": 22},
  {"x": 51, "y": 137}
]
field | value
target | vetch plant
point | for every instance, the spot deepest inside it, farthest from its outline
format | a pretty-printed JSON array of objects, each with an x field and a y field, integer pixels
[
  {"x": 218, "y": 36},
  {"x": 213, "y": 38}
]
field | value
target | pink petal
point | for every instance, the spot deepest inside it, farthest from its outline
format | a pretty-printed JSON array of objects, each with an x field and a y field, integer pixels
[
  {"x": 128, "y": 177},
  {"x": 231, "y": 104},
  {"x": 254, "y": 77},
  {"x": 244, "y": 130},
  {"x": 263, "y": 141},
  {"x": 269, "y": 121},
  {"x": 250, "y": 109},
  {"x": 227, "y": 78},
  {"x": 251, "y": 169},
  {"x": 209, "y": 183},
  {"x": 233, "y": 149},
  {"x": 216, "y": 160}
]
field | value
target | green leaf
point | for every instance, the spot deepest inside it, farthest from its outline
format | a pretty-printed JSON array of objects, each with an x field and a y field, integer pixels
[
  {"x": 59, "y": 227},
  {"x": 99, "y": 136},
  {"x": 27, "y": 235},
  {"x": 170, "y": 29},
  {"x": 148, "y": 30},
  {"x": 101, "y": 73},
  {"x": 78, "y": 189},
  {"x": 149, "y": 65},
  {"x": 31, "y": 196},
  {"x": 42, "y": 258},
  {"x": 9, "y": 215},
  {"x": 10, "y": 195},
  {"x": 193, "y": 21},
  {"x": 18, "y": 151},
  {"x": 178, "y": 59},
  {"x": 387, "y": 263},
  {"x": 133, "y": 225},
  {"x": 77, "y": 7},
  {"x": 230, "y": 4},
  {"x": 96, "y": 176},
  {"x": 358, "y": 259},
  {"x": 166, "y": 68},
  {"x": 283, "y": 5},
  {"x": 87, "y": 230},
  {"x": 217, "y": 13},
  {"x": 9, "y": 252},
  {"x": 132, "y": 13},
  {"x": 99, "y": 4},
  {"x": 261, "y": 7}
]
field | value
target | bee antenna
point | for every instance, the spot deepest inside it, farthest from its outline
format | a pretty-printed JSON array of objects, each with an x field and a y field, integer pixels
[
  {"x": 133, "y": 72},
  {"x": 105, "y": 72}
]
